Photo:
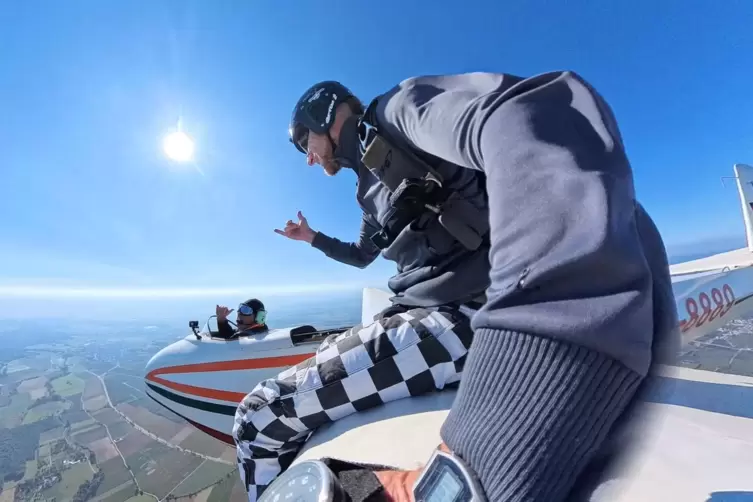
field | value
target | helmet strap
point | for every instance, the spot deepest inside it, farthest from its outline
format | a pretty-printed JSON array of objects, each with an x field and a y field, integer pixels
[{"x": 331, "y": 142}]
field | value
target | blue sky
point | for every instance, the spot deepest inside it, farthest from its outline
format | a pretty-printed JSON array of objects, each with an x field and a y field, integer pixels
[{"x": 89, "y": 88}]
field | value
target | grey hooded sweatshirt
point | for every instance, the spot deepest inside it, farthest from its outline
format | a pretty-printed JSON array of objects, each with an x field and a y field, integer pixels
[{"x": 579, "y": 298}]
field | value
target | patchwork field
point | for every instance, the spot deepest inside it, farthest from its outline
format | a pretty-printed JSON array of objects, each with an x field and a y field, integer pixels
[
  {"x": 92, "y": 387},
  {"x": 85, "y": 437},
  {"x": 120, "y": 493},
  {"x": 229, "y": 490},
  {"x": 37, "y": 362},
  {"x": 87, "y": 428},
  {"x": 238, "y": 493},
  {"x": 8, "y": 495},
  {"x": 44, "y": 450},
  {"x": 16, "y": 366},
  {"x": 202, "y": 496},
  {"x": 82, "y": 424},
  {"x": 140, "y": 498},
  {"x": 52, "y": 435},
  {"x": 133, "y": 442},
  {"x": 107, "y": 416},
  {"x": 38, "y": 393},
  {"x": 122, "y": 391},
  {"x": 120, "y": 430},
  {"x": 34, "y": 386},
  {"x": 75, "y": 401},
  {"x": 159, "y": 468},
  {"x": 149, "y": 404},
  {"x": 157, "y": 425},
  {"x": 203, "y": 443},
  {"x": 77, "y": 419},
  {"x": 68, "y": 385},
  {"x": 181, "y": 435},
  {"x": 95, "y": 403},
  {"x": 42, "y": 411},
  {"x": 208, "y": 474},
  {"x": 134, "y": 381},
  {"x": 103, "y": 450},
  {"x": 13, "y": 414},
  {"x": 30, "y": 471},
  {"x": 72, "y": 478},
  {"x": 115, "y": 475},
  {"x": 98, "y": 367}
]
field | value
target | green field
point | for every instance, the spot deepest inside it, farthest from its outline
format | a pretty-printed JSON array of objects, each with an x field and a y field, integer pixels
[
  {"x": 72, "y": 478},
  {"x": 45, "y": 410},
  {"x": 107, "y": 416},
  {"x": 13, "y": 414},
  {"x": 203, "y": 443},
  {"x": 120, "y": 392},
  {"x": 76, "y": 417},
  {"x": 120, "y": 429},
  {"x": 159, "y": 468},
  {"x": 221, "y": 492},
  {"x": 68, "y": 385},
  {"x": 156, "y": 408},
  {"x": 17, "y": 365},
  {"x": 206, "y": 475},
  {"x": 115, "y": 475},
  {"x": 82, "y": 430},
  {"x": 51, "y": 435},
  {"x": 76, "y": 404},
  {"x": 87, "y": 436},
  {"x": 83, "y": 424},
  {"x": 31, "y": 469},
  {"x": 120, "y": 493},
  {"x": 140, "y": 498}
]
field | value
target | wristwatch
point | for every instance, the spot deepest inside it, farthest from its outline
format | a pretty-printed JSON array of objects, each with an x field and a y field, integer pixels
[{"x": 445, "y": 478}]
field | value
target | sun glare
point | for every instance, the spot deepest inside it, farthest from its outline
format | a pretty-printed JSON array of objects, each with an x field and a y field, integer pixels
[{"x": 178, "y": 146}]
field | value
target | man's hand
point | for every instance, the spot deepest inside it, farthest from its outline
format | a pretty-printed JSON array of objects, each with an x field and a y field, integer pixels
[
  {"x": 298, "y": 231},
  {"x": 398, "y": 485},
  {"x": 222, "y": 312}
]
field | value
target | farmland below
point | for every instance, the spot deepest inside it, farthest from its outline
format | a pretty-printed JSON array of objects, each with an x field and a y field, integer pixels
[{"x": 62, "y": 439}]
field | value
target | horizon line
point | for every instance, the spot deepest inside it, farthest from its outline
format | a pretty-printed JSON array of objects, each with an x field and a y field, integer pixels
[{"x": 28, "y": 291}]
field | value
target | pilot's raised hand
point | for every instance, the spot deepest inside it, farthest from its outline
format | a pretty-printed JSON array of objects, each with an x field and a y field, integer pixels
[
  {"x": 298, "y": 231},
  {"x": 222, "y": 312}
]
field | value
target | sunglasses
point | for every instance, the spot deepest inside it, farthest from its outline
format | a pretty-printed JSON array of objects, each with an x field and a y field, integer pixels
[{"x": 300, "y": 138}]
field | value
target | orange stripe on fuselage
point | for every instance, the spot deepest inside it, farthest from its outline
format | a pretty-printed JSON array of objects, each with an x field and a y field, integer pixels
[{"x": 220, "y": 395}]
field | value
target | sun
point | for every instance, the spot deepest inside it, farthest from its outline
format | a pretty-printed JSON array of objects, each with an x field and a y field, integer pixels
[{"x": 178, "y": 146}]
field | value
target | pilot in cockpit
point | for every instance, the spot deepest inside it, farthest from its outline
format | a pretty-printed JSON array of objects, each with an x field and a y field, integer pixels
[{"x": 251, "y": 319}]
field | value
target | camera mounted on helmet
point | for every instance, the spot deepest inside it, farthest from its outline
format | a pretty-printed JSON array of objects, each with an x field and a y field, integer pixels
[{"x": 315, "y": 111}]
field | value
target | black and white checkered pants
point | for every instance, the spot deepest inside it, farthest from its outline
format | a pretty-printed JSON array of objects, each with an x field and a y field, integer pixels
[{"x": 404, "y": 355}]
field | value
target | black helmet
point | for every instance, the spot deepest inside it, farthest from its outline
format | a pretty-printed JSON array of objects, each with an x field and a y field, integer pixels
[
  {"x": 315, "y": 111},
  {"x": 253, "y": 307}
]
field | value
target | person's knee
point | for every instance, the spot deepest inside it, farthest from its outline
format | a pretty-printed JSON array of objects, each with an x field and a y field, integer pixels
[{"x": 261, "y": 396}]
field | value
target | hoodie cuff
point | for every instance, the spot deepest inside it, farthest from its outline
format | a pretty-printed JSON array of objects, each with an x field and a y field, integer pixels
[
  {"x": 320, "y": 241},
  {"x": 531, "y": 412}
]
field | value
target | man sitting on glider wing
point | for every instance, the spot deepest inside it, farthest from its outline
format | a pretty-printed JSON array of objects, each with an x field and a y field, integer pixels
[{"x": 487, "y": 190}]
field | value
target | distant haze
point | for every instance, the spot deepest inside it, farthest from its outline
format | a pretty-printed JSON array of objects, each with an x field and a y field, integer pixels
[
  {"x": 173, "y": 310},
  {"x": 692, "y": 251},
  {"x": 178, "y": 306}
]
